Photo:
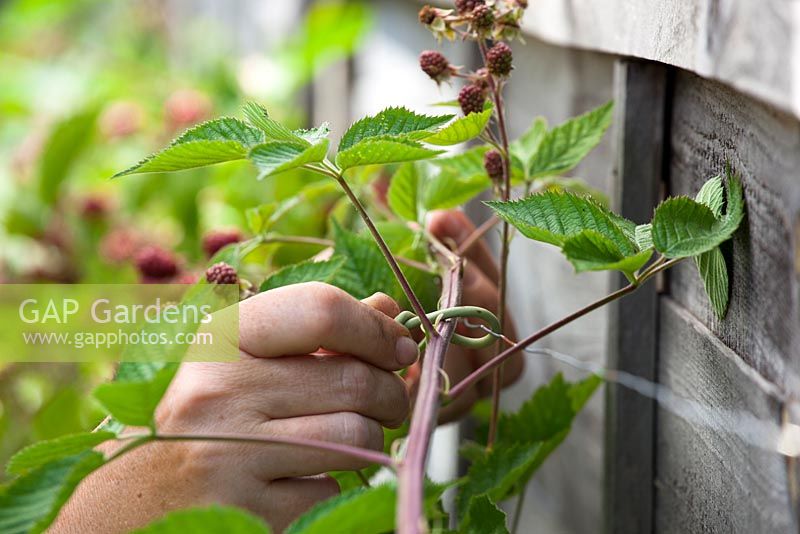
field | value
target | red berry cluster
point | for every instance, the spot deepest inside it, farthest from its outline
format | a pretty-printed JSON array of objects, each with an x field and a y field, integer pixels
[
  {"x": 435, "y": 65},
  {"x": 482, "y": 18},
  {"x": 499, "y": 58},
  {"x": 156, "y": 264},
  {"x": 493, "y": 163},
  {"x": 215, "y": 240},
  {"x": 222, "y": 273},
  {"x": 471, "y": 98}
]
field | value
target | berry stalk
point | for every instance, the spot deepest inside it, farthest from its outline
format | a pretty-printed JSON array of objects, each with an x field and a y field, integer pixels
[{"x": 498, "y": 61}]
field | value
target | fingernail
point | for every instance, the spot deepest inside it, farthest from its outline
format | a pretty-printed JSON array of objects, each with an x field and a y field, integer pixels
[{"x": 407, "y": 351}]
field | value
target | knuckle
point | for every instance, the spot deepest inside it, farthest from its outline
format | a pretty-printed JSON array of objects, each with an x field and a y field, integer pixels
[
  {"x": 359, "y": 431},
  {"x": 388, "y": 303},
  {"x": 327, "y": 301},
  {"x": 358, "y": 384},
  {"x": 402, "y": 405},
  {"x": 191, "y": 397}
]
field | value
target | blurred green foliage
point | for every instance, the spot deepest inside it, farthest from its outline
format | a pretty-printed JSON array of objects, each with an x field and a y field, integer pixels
[{"x": 85, "y": 87}]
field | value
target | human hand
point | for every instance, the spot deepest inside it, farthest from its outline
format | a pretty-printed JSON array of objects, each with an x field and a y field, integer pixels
[{"x": 283, "y": 385}]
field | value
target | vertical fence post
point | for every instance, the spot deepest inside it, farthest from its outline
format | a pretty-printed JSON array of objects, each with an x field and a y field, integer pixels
[{"x": 641, "y": 122}]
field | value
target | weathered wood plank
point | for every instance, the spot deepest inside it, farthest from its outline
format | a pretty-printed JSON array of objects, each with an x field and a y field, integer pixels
[
  {"x": 641, "y": 94},
  {"x": 752, "y": 46},
  {"x": 710, "y": 480},
  {"x": 713, "y": 124}
]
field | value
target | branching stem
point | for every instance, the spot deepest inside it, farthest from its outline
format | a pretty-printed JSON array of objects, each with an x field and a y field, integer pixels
[
  {"x": 411, "y": 470},
  {"x": 657, "y": 267},
  {"x": 497, "y": 376},
  {"x": 390, "y": 259},
  {"x": 347, "y": 450}
]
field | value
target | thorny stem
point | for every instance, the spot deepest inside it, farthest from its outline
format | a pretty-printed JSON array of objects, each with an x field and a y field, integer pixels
[
  {"x": 329, "y": 170},
  {"x": 348, "y": 450},
  {"x": 476, "y": 375},
  {"x": 497, "y": 376},
  {"x": 411, "y": 470}
]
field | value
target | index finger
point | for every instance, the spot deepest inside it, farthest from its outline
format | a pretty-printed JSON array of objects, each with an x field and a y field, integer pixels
[{"x": 304, "y": 318}]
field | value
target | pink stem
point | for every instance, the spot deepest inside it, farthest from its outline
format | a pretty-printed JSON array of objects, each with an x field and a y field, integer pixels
[
  {"x": 347, "y": 450},
  {"x": 411, "y": 471},
  {"x": 476, "y": 375}
]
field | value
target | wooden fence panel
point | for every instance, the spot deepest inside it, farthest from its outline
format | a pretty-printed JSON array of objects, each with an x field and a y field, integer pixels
[
  {"x": 710, "y": 480},
  {"x": 708, "y": 477},
  {"x": 641, "y": 92}
]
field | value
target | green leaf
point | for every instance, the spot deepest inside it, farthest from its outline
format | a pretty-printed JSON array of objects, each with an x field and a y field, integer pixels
[
  {"x": 467, "y": 164},
  {"x": 362, "y": 510},
  {"x": 62, "y": 149},
  {"x": 525, "y": 439},
  {"x": 379, "y": 150},
  {"x": 306, "y": 271},
  {"x": 134, "y": 403},
  {"x": 643, "y": 235},
  {"x": 712, "y": 195},
  {"x": 211, "y": 142},
  {"x": 460, "y": 178},
  {"x": 683, "y": 227},
  {"x": 524, "y": 148},
  {"x": 211, "y": 520},
  {"x": 461, "y": 130},
  {"x": 258, "y": 116},
  {"x": 497, "y": 473},
  {"x": 714, "y": 273},
  {"x": 591, "y": 251},
  {"x": 365, "y": 270},
  {"x": 314, "y": 135},
  {"x": 189, "y": 155},
  {"x": 396, "y": 121},
  {"x": 43, "y": 452},
  {"x": 711, "y": 265},
  {"x": 552, "y": 217},
  {"x": 316, "y": 195},
  {"x": 447, "y": 190},
  {"x": 543, "y": 416},
  {"x": 222, "y": 129},
  {"x": 483, "y": 517},
  {"x": 275, "y": 157},
  {"x": 30, "y": 503},
  {"x": 566, "y": 145},
  {"x": 403, "y": 194}
]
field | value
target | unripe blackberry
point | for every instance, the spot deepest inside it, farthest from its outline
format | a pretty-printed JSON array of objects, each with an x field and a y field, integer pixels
[
  {"x": 471, "y": 98},
  {"x": 155, "y": 263},
  {"x": 427, "y": 15},
  {"x": 216, "y": 239},
  {"x": 483, "y": 18},
  {"x": 493, "y": 163},
  {"x": 466, "y": 6},
  {"x": 499, "y": 59},
  {"x": 222, "y": 273},
  {"x": 435, "y": 65}
]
